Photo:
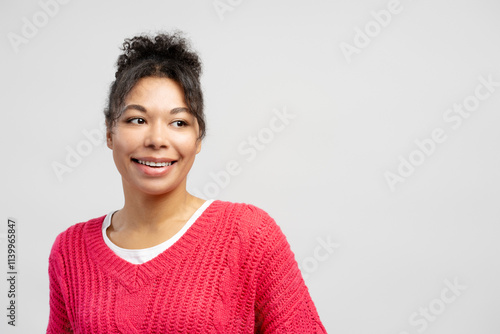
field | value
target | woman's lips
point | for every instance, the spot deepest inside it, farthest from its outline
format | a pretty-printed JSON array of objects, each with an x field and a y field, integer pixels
[
  {"x": 154, "y": 163},
  {"x": 152, "y": 168}
]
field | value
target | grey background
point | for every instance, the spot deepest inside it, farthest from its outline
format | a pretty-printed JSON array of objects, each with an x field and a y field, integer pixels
[{"x": 322, "y": 177}]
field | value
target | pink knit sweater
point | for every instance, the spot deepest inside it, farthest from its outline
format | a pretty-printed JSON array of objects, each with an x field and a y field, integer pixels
[{"x": 231, "y": 272}]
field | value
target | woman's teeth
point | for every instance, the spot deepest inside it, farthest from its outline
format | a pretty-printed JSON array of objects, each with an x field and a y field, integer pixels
[{"x": 155, "y": 164}]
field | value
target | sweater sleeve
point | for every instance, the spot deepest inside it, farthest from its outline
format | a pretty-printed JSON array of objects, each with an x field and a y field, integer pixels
[
  {"x": 58, "y": 317},
  {"x": 283, "y": 303}
]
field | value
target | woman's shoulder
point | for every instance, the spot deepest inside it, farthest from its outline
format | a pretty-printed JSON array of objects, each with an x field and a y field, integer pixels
[
  {"x": 241, "y": 210},
  {"x": 249, "y": 228},
  {"x": 76, "y": 233},
  {"x": 245, "y": 216}
]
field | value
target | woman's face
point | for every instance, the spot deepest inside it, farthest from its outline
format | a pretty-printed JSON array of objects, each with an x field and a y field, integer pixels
[{"x": 154, "y": 141}]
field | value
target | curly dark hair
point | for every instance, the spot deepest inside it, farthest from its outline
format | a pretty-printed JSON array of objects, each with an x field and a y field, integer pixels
[{"x": 165, "y": 56}]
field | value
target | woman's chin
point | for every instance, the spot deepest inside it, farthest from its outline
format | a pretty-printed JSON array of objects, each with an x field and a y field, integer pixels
[{"x": 155, "y": 188}]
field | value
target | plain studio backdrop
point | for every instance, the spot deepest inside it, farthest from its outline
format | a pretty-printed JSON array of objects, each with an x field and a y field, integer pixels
[{"x": 367, "y": 129}]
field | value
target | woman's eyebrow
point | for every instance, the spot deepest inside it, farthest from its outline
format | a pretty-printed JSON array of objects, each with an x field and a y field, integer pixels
[
  {"x": 134, "y": 106},
  {"x": 179, "y": 110},
  {"x": 143, "y": 109}
]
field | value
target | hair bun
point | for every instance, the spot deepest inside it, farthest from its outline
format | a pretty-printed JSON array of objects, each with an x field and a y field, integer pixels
[{"x": 172, "y": 47}]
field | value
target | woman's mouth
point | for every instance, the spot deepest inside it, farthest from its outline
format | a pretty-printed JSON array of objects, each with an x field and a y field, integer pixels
[{"x": 154, "y": 164}]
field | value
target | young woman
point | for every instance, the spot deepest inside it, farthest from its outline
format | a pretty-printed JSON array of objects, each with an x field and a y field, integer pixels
[{"x": 169, "y": 262}]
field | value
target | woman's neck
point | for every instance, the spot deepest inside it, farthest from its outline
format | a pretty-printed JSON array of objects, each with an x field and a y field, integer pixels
[{"x": 153, "y": 213}]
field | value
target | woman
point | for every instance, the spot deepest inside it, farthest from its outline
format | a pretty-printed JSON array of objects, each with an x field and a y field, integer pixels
[{"x": 169, "y": 262}]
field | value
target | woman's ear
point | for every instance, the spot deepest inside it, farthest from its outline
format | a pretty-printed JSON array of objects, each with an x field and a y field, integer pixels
[
  {"x": 109, "y": 139},
  {"x": 198, "y": 148}
]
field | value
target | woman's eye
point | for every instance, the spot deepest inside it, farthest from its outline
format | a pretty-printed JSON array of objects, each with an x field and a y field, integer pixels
[
  {"x": 136, "y": 121},
  {"x": 179, "y": 124}
]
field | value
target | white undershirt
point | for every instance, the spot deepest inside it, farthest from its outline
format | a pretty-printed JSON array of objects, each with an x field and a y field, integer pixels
[{"x": 138, "y": 256}]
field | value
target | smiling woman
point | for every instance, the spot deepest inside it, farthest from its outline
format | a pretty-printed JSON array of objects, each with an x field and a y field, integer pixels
[
  {"x": 170, "y": 262},
  {"x": 156, "y": 139}
]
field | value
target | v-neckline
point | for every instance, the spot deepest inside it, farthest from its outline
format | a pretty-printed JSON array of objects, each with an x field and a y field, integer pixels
[{"x": 134, "y": 276}]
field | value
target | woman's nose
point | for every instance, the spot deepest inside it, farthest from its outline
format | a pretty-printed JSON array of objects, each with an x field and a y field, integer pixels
[{"x": 157, "y": 136}]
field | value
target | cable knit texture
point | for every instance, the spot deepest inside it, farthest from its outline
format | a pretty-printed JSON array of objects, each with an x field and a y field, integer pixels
[{"x": 231, "y": 272}]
